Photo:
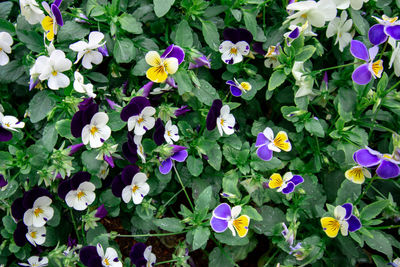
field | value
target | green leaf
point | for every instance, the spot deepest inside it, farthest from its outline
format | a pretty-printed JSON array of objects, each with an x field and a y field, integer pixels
[
  {"x": 109, "y": 199},
  {"x": 11, "y": 72},
  {"x": 305, "y": 53},
  {"x": 7, "y": 26},
  {"x": 230, "y": 184},
  {"x": 97, "y": 77},
  {"x": 314, "y": 127},
  {"x": 5, "y": 9},
  {"x": 10, "y": 190},
  {"x": 219, "y": 257},
  {"x": 183, "y": 81},
  {"x": 71, "y": 31},
  {"x": 201, "y": 235},
  {"x": 32, "y": 40},
  {"x": 250, "y": 21},
  {"x": 93, "y": 236},
  {"x": 370, "y": 211},
  {"x": 9, "y": 224},
  {"x": 50, "y": 136},
  {"x": 211, "y": 35},
  {"x": 227, "y": 238},
  {"x": 379, "y": 261},
  {"x": 184, "y": 36},
  {"x": 40, "y": 105},
  {"x": 89, "y": 160},
  {"x": 124, "y": 50},
  {"x": 360, "y": 23},
  {"x": 348, "y": 192},
  {"x": 55, "y": 220},
  {"x": 115, "y": 121},
  {"x": 252, "y": 213},
  {"x": 204, "y": 199},
  {"x": 277, "y": 78},
  {"x": 161, "y": 7},
  {"x": 271, "y": 223},
  {"x": 51, "y": 237},
  {"x": 170, "y": 224},
  {"x": 140, "y": 68},
  {"x": 205, "y": 93},
  {"x": 130, "y": 24},
  {"x": 194, "y": 165},
  {"x": 380, "y": 243},
  {"x": 63, "y": 128},
  {"x": 382, "y": 84},
  {"x": 215, "y": 156}
]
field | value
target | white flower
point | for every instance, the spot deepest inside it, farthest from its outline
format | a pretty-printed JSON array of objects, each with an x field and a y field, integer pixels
[
  {"x": 97, "y": 131},
  {"x": 82, "y": 197},
  {"x": 344, "y": 4},
  {"x": 137, "y": 139},
  {"x": 171, "y": 133},
  {"x": 5, "y": 47},
  {"x": 142, "y": 122},
  {"x": 110, "y": 259},
  {"x": 89, "y": 50},
  {"x": 31, "y": 11},
  {"x": 36, "y": 261},
  {"x": 340, "y": 27},
  {"x": 316, "y": 13},
  {"x": 304, "y": 82},
  {"x": 395, "y": 58},
  {"x": 51, "y": 68},
  {"x": 137, "y": 190},
  {"x": 233, "y": 53},
  {"x": 225, "y": 121},
  {"x": 149, "y": 257},
  {"x": 40, "y": 213},
  {"x": 10, "y": 122},
  {"x": 103, "y": 171},
  {"x": 36, "y": 235},
  {"x": 81, "y": 87}
]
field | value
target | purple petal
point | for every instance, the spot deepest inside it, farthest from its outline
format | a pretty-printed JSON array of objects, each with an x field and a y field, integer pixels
[
  {"x": 393, "y": 31},
  {"x": 258, "y": 48},
  {"x": 377, "y": 35},
  {"x": 167, "y": 51},
  {"x": 245, "y": 35},
  {"x": 63, "y": 188},
  {"x": 57, "y": 3},
  {"x": 359, "y": 50},
  {"x": 295, "y": 33},
  {"x": 297, "y": 179},
  {"x": 231, "y": 35},
  {"x": 171, "y": 82},
  {"x": 86, "y": 253},
  {"x": 236, "y": 91},
  {"x": 362, "y": 75},
  {"x": 222, "y": 211},
  {"x": 33, "y": 83},
  {"x": 200, "y": 62},
  {"x": 159, "y": 132},
  {"x": 174, "y": 51},
  {"x": 289, "y": 188},
  {"x": 95, "y": 261},
  {"x": 135, "y": 106},
  {"x": 111, "y": 103},
  {"x": 127, "y": 174},
  {"x": 103, "y": 50},
  {"x": 57, "y": 15},
  {"x": 230, "y": 82},
  {"x": 33, "y": 194},
  {"x": 354, "y": 223},
  {"x": 17, "y": 209},
  {"x": 388, "y": 170},
  {"x": 182, "y": 110},
  {"x": 137, "y": 254},
  {"x": 165, "y": 166},
  {"x": 109, "y": 160},
  {"x": 75, "y": 148},
  {"x": 218, "y": 225},
  {"x": 180, "y": 156},
  {"x": 264, "y": 153},
  {"x": 117, "y": 186},
  {"x": 130, "y": 154},
  {"x": 176, "y": 148},
  {"x": 101, "y": 212},
  {"x": 147, "y": 88},
  {"x": 19, "y": 234},
  {"x": 5, "y": 135},
  {"x": 261, "y": 140},
  {"x": 213, "y": 114},
  {"x": 365, "y": 158},
  {"x": 3, "y": 182},
  {"x": 349, "y": 210}
]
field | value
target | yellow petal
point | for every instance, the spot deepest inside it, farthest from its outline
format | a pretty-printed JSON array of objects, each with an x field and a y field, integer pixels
[
  {"x": 377, "y": 68},
  {"x": 331, "y": 226},
  {"x": 276, "y": 181},
  {"x": 156, "y": 74},
  {"x": 282, "y": 141},
  {"x": 50, "y": 35},
  {"x": 246, "y": 86},
  {"x": 47, "y": 23},
  {"x": 171, "y": 65},
  {"x": 153, "y": 58},
  {"x": 355, "y": 175},
  {"x": 241, "y": 225}
]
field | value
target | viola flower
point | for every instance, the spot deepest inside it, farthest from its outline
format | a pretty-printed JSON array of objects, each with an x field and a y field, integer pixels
[
  {"x": 266, "y": 143},
  {"x": 344, "y": 4},
  {"x": 357, "y": 174},
  {"x": 6, "y": 42},
  {"x": 298, "y": 252},
  {"x": 141, "y": 255},
  {"x": 200, "y": 62},
  {"x": 52, "y": 68},
  {"x": 87, "y": 109},
  {"x": 94, "y": 256},
  {"x": 36, "y": 235},
  {"x": 77, "y": 192},
  {"x": 97, "y": 132},
  {"x": 40, "y": 212},
  {"x": 101, "y": 212},
  {"x": 8, "y": 123},
  {"x": 344, "y": 220},
  {"x": 140, "y": 150},
  {"x": 145, "y": 89},
  {"x": 387, "y": 27},
  {"x": 304, "y": 82},
  {"x": 129, "y": 148},
  {"x": 88, "y": 51},
  {"x": 31, "y": 11},
  {"x": 213, "y": 114},
  {"x": 178, "y": 153},
  {"x": 395, "y": 58},
  {"x": 223, "y": 218},
  {"x": 168, "y": 63},
  {"x": 225, "y": 121},
  {"x": 238, "y": 88},
  {"x": 340, "y": 27},
  {"x": 137, "y": 190},
  {"x": 81, "y": 87},
  {"x": 286, "y": 184},
  {"x": 236, "y": 45},
  {"x": 272, "y": 57},
  {"x": 182, "y": 110},
  {"x": 287, "y": 234},
  {"x": 138, "y": 113},
  {"x": 159, "y": 132},
  {"x": 395, "y": 263},
  {"x": 35, "y": 261},
  {"x": 109, "y": 258},
  {"x": 103, "y": 50},
  {"x": 49, "y": 23},
  {"x": 387, "y": 166},
  {"x": 316, "y": 13},
  {"x": 171, "y": 133}
]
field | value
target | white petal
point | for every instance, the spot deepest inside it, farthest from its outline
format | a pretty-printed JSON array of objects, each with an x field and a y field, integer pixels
[
  {"x": 332, "y": 27},
  {"x": 269, "y": 134},
  {"x": 225, "y": 46},
  {"x": 3, "y": 59},
  {"x": 104, "y": 132},
  {"x": 271, "y": 146},
  {"x": 132, "y": 122},
  {"x": 100, "y": 250},
  {"x": 144, "y": 189},
  {"x": 78, "y": 46},
  {"x": 148, "y": 111},
  {"x": 219, "y": 126},
  {"x": 42, "y": 201},
  {"x": 139, "y": 178},
  {"x": 137, "y": 198},
  {"x": 225, "y": 110},
  {"x": 99, "y": 119},
  {"x": 344, "y": 227},
  {"x": 342, "y": 4},
  {"x": 340, "y": 213},
  {"x": 316, "y": 18},
  {"x": 86, "y": 134},
  {"x": 236, "y": 211},
  {"x": 6, "y": 38},
  {"x": 127, "y": 193},
  {"x": 95, "y": 38},
  {"x": 95, "y": 141},
  {"x": 28, "y": 217},
  {"x": 356, "y": 4},
  {"x": 70, "y": 198},
  {"x": 243, "y": 47}
]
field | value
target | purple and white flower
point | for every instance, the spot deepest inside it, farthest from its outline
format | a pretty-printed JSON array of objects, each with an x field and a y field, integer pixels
[
  {"x": 178, "y": 153},
  {"x": 40, "y": 212},
  {"x": 343, "y": 220},
  {"x": 238, "y": 88},
  {"x": 35, "y": 261},
  {"x": 387, "y": 27},
  {"x": 141, "y": 255},
  {"x": 94, "y": 256},
  {"x": 96, "y": 132},
  {"x": 171, "y": 133},
  {"x": 287, "y": 184},
  {"x": 139, "y": 115},
  {"x": 225, "y": 121},
  {"x": 87, "y": 51},
  {"x": 9, "y": 123},
  {"x": 266, "y": 143},
  {"x": 137, "y": 190},
  {"x": 36, "y": 235},
  {"x": 236, "y": 45}
]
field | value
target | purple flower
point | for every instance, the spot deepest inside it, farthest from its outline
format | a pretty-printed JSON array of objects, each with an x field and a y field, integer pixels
[
  {"x": 123, "y": 179},
  {"x": 141, "y": 255},
  {"x": 135, "y": 106},
  {"x": 182, "y": 110},
  {"x": 171, "y": 82},
  {"x": 89, "y": 256},
  {"x": 159, "y": 131},
  {"x": 287, "y": 184},
  {"x": 3, "y": 182},
  {"x": 379, "y": 33},
  {"x": 109, "y": 160},
  {"x": 101, "y": 212},
  {"x": 111, "y": 103},
  {"x": 179, "y": 153},
  {"x": 343, "y": 220},
  {"x": 258, "y": 48},
  {"x": 129, "y": 149},
  {"x": 387, "y": 166},
  {"x": 103, "y": 50},
  {"x": 363, "y": 74},
  {"x": 75, "y": 148},
  {"x": 200, "y": 62},
  {"x": 87, "y": 109},
  {"x": 236, "y": 45},
  {"x": 288, "y": 235},
  {"x": 82, "y": 19},
  {"x": 33, "y": 83},
  {"x": 238, "y": 88},
  {"x": 266, "y": 143},
  {"x": 77, "y": 191},
  {"x": 213, "y": 114},
  {"x": 146, "y": 89},
  {"x": 224, "y": 217}
]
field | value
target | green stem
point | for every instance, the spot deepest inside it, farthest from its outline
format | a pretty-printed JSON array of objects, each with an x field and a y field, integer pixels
[
  {"x": 377, "y": 191},
  {"x": 391, "y": 88},
  {"x": 383, "y": 227},
  {"x": 162, "y": 262},
  {"x": 334, "y": 67},
  {"x": 74, "y": 223},
  {"x": 364, "y": 191},
  {"x": 183, "y": 187},
  {"x": 271, "y": 258},
  {"x": 150, "y": 235},
  {"x": 313, "y": 258},
  {"x": 383, "y": 50},
  {"x": 169, "y": 200}
]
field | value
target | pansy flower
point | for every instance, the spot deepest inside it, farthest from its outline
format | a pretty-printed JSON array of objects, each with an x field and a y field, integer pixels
[
  {"x": 129, "y": 149},
  {"x": 139, "y": 115},
  {"x": 224, "y": 217},
  {"x": 357, "y": 174},
  {"x": 266, "y": 143},
  {"x": 167, "y": 63},
  {"x": 36, "y": 235},
  {"x": 159, "y": 132},
  {"x": 96, "y": 132},
  {"x": 5, "y": 47},
  {"x": 35, "y": 261},
  {"x": 387, "y": 27},
  {"x": 182, "y": 110},
  {"x": 171, "y": 133},
  {"x": 286, "y": 184},
  {"x": 94, "y": 256},
  {"x": 236, "y": 45},
  {"x": 31, "y": 11},
  {"x": 81, "y": 87},
  {"x": 141, "y": 255},
  {"x": 316, "y": 13},
  {"x": 49, "y": 23},
  {"x": 200, "y": 62},
  {"x": 387, "y": 166},
  {"x": 272, "y": 57},
  {"x": 225, "y": 121},
  {"x": 87, "y": 109},
  {"x": 287, "y": 234},
  {"x": 340, "y": 27},
  {"x": 344, "y": 4},
  {"x": 364, "y": 73},
  {"x": 343, "y": 220},
  {"x": 178, "y": 153},
  {"x": 88, "y": 50},
  {"x": 238, "y": 88},
  {"x": 77, "y": 192},
  {"x": 8, "y": 123},
  {"x": 395, "y": 263}
]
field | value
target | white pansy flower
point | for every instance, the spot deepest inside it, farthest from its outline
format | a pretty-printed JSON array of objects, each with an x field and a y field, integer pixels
[
  {"x": 36, "y": 235},
  {"x": 82, "y": 197},
  {"x": 110, "y": 258},
  {"x": 305, "y": 83},
  {"x": 137, "y": 190},
  {"x": 340, "y": 27},
  {"x": 40, "y": 213},
  {"x": 36, "y": 261},
  {"x": 225, "y": 121},
  {"x": 88, "y": 50},
  {"x": 395, "y": 58},
  {"x": 316, "y": 13},
  {"x": 137, "y": 139},
  {"x": 10, "y": 122},
  {"x": 51, "y": 68},
  {"x": 143, "y": 121},
  {"x": 81, "y": 87},
  {"x": 31, "y": 11},
  {"x": 233, "y": 53},
  {"x": 171, "y": 133},
  {"x": 97, "y": 131},
  {"x": 5, "y": 47},
  {"x": 344, "y": 4},
  {"x": 149, "y": 257}
]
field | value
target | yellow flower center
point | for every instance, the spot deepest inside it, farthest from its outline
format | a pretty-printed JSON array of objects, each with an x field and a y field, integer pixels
[
  {"x": 271, "y": 51},
  {"x": 80, "y": 195},
  {"x": 246, "y": 86},
  {"x": 37, "y": 212},
  {"x": 304, "y": 16},
  {"x": 7, "y": 124},
  {"x": 234, "y": 50},
  {"x": 222, "y": 122},
  {"x": 33, "y": 235},
  {"x": 1, "y": 49},
  {"x": 140, "y": 120},
  {"x": 106, "y": 262},
  {"x": 54, "y": 73},
  {"x": 93, "y": 130},
  {"x": 141, "y": 149},
  {"x": 377, "y": 68},
  {"x": 169, "y": 133},
  {"x": 134, "y": 188}
]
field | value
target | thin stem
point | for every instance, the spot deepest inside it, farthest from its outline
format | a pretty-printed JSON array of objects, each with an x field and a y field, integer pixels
[
  {"x": 334, "y": 67},
  {"x": 392, "y": 88},
  {"x": 383, "y": 50},
  {"x": 271, "y": 258},
  {"x": 162, "y": 262},
  {"x": 74, "y": 223},
  {"x": 169, "y": 200},
  {"x": 150, "y": 235},
  {"x": 364, "y": 191},
  {"x": 183, "y": 187},
  {"x": 383, "y": 227},
  {"x": 377, "y": 191}
]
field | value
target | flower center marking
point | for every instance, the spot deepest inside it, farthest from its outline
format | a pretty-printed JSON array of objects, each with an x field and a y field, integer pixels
[
  {"x": 93, "y": 130},
  {"x": 7, "y": 124},
  {"x": 357, "y": 173},
  {"x": 377, "y": 68},
  {"x": 234, "y": 50},
  {"x": 134, "y": 188},
  {"x": 222, "y": 122},
  {"x": 37, "y": 212},
  {"x": 169, "y": 133},
  {"x": 54, "y": 73},
  {"x": 106, "y": 262},
  {"x": 33, "y": 235},
  {"x": 334, "y": 225},
  {"x": 140, "y": 120},
  {"x": 80, "y": 195}
]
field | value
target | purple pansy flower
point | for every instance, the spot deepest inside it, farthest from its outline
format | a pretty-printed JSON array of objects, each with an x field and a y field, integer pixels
[
  {"x": 343, "y": 220},
  {"x": 200, "y": 62},
  {"x": 112, "y": 104},
  {"x": 75, "y": 148},
  {"x": 129, "y": 149},
  {"x": 179, "y": 153},
  {"x": 287, "y": 184},
  {"x": 103, "y": 50},
  {"x": 123, "y": 179},
  {"x": 89, "y": 257},
  {"x": 387, "y": 166},
  {"x": 138, "y": 113},
  {"x": 379, "y": 33},
  {"x": 224, "y": 217},
  {"x": 266, "y": 143},
  {"x": 258, "y": 48},
  {"x": 213, "y": 114},
  {"x": 236, "y": 45},
  {"x": 141, "y": 255},
  {"x": 87, "y": 109},
  {"x": 147, "y": 88},
  {"x": 363, "y": 74},
  {"x": 238, "y": 88}
]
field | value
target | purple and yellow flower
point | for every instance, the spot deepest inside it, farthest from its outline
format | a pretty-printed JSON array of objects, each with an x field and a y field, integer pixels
[
  {"x": 363, "y": 74},
  {"x": 387, "y": 27},
  {"x": 236, "y": 45},
  {"x": 238, "y": 88},
  {"x": 7, "y": 124},
  {"x": 49, "y": 23},
  {"x": 224, "y": 217},
  {"x": 178, "y": 153},
  {"x": 343, "y": 220},
  {"x": 286, "y": 184},
  {"x": 167, "y": 63},
  {"x": 141, "y": 255},
  {"x": 94, "y": 256},
  {"x": 266, "y": 143}
]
